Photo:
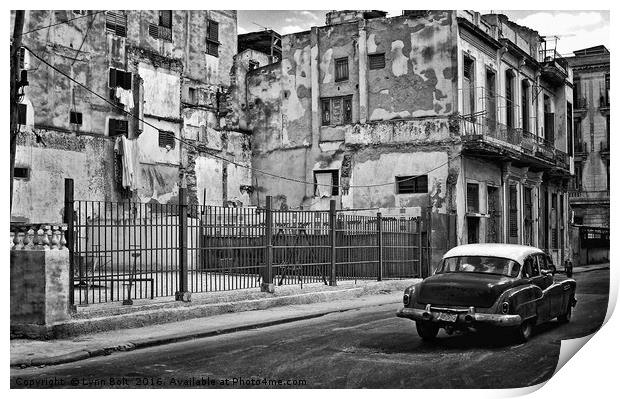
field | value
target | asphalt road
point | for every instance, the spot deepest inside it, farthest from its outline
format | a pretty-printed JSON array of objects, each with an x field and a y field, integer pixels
[{"x": 369, "y": 348}]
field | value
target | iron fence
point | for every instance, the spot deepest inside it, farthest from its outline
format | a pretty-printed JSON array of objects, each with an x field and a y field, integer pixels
[{"x": 122, "y": 251}]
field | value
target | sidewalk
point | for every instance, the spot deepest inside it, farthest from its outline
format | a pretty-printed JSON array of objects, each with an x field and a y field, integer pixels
[
  {"x": 25, "y": 353},
  {"x": 589, "y": 268}
]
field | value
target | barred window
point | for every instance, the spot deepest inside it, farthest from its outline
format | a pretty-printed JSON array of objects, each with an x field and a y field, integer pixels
[
  {"x": 472, "y": 198},
  {"x": 118, "y": 127},
  {"x": 342, "y": 69},
  {"x": 376, "y": 61},
  {"x": 412, "y": 184},
  {"x": 116, "y": 22},
  {"x": 336, "y": 110},
  {"x": 213, "y": 37},
  {"x": 166, "y": 139}
]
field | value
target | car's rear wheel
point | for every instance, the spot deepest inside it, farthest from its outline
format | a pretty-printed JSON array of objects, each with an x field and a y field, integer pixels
[
  {"x": 565, "y": 318},
  {"x": 524, "y": 332},
  {"x": 427, "y": 331}
]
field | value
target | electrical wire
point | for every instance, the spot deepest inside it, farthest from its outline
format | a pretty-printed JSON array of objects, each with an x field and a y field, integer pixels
[
  {"x": 201, "y": 150},
  {"x": 77, "y": 53},
  {"x": 63, "y": 22}
]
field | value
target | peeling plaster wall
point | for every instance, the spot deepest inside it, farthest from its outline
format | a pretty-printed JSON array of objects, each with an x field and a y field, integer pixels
[
  {"x": 86, "y": 159},
  {"x": 162, "y": 72},
  {"x": 372, "y": 166},
  {"x": 419, "y": 77}
]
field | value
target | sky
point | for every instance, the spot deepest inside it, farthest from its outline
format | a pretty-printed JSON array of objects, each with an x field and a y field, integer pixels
[{"x": 576, "y": 29}]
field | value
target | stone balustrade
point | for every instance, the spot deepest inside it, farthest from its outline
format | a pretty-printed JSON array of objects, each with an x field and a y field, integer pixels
[{"x": 38, "y": 236}]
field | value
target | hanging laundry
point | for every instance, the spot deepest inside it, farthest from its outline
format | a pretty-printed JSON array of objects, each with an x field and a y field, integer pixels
[
  {"x": 125, "y": 97},
  {"x": 128, "y": 149}
]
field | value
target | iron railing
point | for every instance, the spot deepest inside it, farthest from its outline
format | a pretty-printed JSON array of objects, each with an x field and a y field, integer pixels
[{"x": 123, "y": 251}]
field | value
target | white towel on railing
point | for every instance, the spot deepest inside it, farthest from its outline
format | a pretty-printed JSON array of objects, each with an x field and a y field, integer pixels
[{"x": 323, "y": 186}]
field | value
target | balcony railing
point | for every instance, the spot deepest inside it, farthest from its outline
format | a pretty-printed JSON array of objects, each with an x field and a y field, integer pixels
[
  {"x": 581, "y": 103},
  {"x": 589, "y": 194},
  {"x": 477, "y": 128},
  {"x": 581, "y": 147}
]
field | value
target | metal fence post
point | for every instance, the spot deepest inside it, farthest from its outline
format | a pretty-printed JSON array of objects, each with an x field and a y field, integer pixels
[
  {"x": 183, "y": 293},
  {"x": 380, "y": 244},
  {"x": 332, "y": 242},
  {"x": 420, "y": 256},
  {"x": 267, "y": 271},
  {"x": 69, "y": 220}
]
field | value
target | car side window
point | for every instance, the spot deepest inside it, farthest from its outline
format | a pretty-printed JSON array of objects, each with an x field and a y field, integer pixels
[
  {"x": 527, "y": 267},
  {"x": 535, "y": 269},
  {"x": 542, "y": 262}
]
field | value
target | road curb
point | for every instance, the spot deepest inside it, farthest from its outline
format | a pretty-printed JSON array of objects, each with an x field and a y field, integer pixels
[{"x": 163, "y": 340}]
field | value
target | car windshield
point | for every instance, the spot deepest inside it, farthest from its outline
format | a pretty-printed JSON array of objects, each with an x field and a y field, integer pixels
[{"x": 480, "y": 264}]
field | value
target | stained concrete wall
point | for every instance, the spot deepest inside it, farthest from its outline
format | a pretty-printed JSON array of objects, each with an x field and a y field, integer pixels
[
  {"x": 162, "y": 71},
  {"x": 39, "y": 288}
]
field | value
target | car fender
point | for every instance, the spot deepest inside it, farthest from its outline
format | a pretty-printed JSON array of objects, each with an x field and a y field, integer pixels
[{"x": 522, "y": 300}]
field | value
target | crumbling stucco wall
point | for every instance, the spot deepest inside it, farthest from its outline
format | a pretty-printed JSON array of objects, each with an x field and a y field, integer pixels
[{"x": 419, "y": 77}]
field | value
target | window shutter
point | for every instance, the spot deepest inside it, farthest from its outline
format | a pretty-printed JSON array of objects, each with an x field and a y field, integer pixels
[
  {"x": 126, "y": 80},
  {"x": 165, "y": 19},
  {"x": 154, "y": 31},
  {"x": 112, "y": 77},
  {"x": 213, "y": 30},
  {"x": 376, "y": 61}
]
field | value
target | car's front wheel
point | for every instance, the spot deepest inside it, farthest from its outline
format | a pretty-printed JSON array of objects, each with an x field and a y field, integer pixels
[{"x": 426, "y": 330}]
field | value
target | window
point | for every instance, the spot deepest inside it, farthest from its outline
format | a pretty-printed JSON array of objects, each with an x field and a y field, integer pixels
[
  {"x": 191, "y": 93},
  {"x": 163, "y": 30},
  {"x": 21, "y": 173},
  {"x": 473, "y": 228},
  {"x": 118, "y": 127},
  {"x": 342, "y": 69},
  {"x": 578, "y": 173},
  {"x": 21, "y": 113},
  {"x": 412, "y": 184},
  {"x": 22, "y": 57},
  {"x": 120, "y": 79},
  {"x": 336, "y": 110},
  {"x": 469, "y": 91},
  {"x": 325, "y": 183},
  {"x": 166, "y": 139},
  {"x": 569, "y": 126},
  {"x": 491, "y": 106},
  {"x": 513, "y": 212},
  {"x": 75, "y": 118},
  {"x": 472, "y": 198},
  {"x": 549, "y": 121},
  {"x": 525, "y": 105},
  {"x": 527, "y": 216},
  {"x": 212, "y": 38},
  {"x": 116, "y": 22},
  {"x": 376, "y": 61},
  {"x": 510, "y": 99}
]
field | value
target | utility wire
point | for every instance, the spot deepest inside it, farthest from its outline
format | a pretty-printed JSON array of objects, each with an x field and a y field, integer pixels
[
  {"x": 199, "y": 149},
  {"x": 77, "y": 53},
  {"x": 63, "y": 22}
]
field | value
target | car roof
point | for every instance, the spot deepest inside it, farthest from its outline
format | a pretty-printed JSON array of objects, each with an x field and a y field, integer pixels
[{"x": 515, "y": 252}]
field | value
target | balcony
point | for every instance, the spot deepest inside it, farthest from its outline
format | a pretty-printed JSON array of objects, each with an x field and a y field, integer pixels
[
  {"x": 580, "y": 105},
  {"x": 554, "y": 67},
  {"x": 493, "y": 138},
  {"x": 581, "y": 148},
  {"x": 588, "y": 196}
]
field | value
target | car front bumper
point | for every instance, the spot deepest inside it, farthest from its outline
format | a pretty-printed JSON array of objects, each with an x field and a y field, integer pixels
[{"x": 463, "y": 319}]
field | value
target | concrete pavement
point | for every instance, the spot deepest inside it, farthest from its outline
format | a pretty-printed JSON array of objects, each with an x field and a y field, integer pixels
[
  {"x": 360, "y": 348},
  {"x": 300, "y": 306}
]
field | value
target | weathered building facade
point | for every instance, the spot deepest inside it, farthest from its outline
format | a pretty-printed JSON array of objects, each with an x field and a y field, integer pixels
[
  {"x": 461, "y": 117},
  {"x": 589, "y": 197},
  {"x": 171, "y": 69}
]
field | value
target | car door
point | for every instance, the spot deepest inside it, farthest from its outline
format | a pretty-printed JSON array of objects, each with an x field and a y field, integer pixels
[
  {"x": 532, "y": 269},
  {"x": 555, "y": 291}
]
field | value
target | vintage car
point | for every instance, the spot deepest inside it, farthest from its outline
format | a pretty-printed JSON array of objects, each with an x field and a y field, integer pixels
[{"x": 483, "y": 286}]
